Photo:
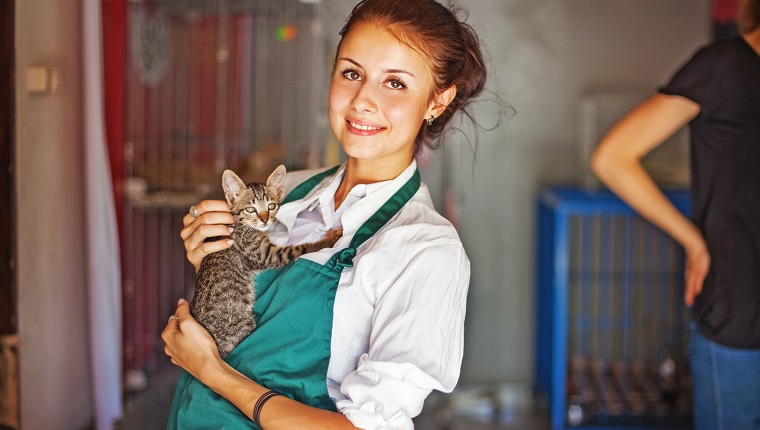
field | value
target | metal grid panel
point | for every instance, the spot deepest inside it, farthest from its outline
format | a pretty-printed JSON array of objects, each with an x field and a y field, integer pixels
[{"x": 612, "y": 327}]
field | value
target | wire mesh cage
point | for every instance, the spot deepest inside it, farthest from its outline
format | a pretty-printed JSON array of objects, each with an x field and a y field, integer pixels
[
  {"x": 612, "y": 327},
  {"x": 210, "y": 85}
]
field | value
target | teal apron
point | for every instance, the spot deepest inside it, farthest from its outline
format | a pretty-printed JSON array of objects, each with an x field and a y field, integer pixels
[{"x": 290, "y": 349}]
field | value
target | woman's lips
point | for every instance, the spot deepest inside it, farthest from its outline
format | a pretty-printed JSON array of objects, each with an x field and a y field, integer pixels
[{"x": 362, "y": 129}]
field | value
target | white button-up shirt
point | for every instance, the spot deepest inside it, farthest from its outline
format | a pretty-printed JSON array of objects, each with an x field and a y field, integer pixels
[{"x": 398, "y": 321}]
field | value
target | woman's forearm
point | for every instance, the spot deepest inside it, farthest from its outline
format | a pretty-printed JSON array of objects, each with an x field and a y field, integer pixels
[
  {"x": 629, "y": 180},
  {"x": 279, "y": 412},
  {"x": 617, "y": 162}
]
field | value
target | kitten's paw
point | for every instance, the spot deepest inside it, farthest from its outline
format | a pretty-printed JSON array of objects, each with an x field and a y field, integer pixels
[{"x": 333, "y": 235}]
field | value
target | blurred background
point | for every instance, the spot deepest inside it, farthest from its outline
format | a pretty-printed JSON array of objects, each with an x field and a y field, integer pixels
[{"x": 144, "y": 102}]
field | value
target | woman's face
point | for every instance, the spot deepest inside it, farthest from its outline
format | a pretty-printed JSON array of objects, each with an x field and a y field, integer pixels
[{"x": 379, "y": 97}]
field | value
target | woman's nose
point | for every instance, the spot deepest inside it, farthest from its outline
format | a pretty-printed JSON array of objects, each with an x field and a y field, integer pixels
[{"x": 365, "y": 99}]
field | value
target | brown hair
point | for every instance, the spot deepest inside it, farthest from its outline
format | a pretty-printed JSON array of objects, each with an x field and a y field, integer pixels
[
  {"x": 450, "y": 46},
  {"x": 749, "y": 16}
]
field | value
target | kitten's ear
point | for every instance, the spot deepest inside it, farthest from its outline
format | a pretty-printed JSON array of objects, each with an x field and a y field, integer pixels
[
  {"x": 277, "y": 181},
  {"x": 233, "y": 186}
]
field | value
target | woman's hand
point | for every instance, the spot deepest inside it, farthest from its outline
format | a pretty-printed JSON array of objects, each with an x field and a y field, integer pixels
[
  {"x": 213, "y": 221},
  {"x": 696, "y": 268},
  {"x": 188, "y": 344}
]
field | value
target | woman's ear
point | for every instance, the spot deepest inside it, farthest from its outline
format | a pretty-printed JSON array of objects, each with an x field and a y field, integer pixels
[{"x": 441, "y": 101}]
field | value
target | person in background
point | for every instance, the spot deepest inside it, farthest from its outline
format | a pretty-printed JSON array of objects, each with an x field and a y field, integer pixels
[
  {"x": 384, "y": 325},
  {"x": 717, "y": 93}
]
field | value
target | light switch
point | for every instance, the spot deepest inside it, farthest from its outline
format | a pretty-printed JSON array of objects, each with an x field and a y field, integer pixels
[{"x": 42, "y": 79}]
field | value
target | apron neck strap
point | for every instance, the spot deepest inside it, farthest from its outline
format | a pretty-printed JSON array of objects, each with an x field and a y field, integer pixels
[
  {"x": 305, "y": 187},
  {"x": 344, "y": 258},
  {"x": 387, "y": 211}
]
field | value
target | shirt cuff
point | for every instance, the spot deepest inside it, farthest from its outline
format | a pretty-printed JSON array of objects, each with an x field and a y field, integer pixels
[{"x": 385, "y": 395}]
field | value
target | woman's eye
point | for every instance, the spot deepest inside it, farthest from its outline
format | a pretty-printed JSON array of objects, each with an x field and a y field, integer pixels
[
  {"x": 272, "y": 206},
  {"x": 250, "y": 210},
  {"x": 396, "y": 84},
  {"x": 351, "y": 75}
]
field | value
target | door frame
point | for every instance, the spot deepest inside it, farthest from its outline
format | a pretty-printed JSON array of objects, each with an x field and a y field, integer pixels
[
  {"x": 8, "y": 276},
  {"x": 9, "y": 370}
]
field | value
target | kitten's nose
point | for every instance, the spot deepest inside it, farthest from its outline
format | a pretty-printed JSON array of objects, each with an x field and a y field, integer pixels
[{"x": 264, "y": 217}]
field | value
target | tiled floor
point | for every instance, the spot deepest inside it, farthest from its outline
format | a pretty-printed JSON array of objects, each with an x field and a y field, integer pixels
[
  {"x": 497, "y": 407},
  {"x": 149, "y": 409},
  {"x": 492, "y": 407}
]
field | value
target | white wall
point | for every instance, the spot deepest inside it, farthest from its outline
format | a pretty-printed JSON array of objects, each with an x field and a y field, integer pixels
[
  {"x": 545, "y": 54},
  {"x": 54, "y": 360}
]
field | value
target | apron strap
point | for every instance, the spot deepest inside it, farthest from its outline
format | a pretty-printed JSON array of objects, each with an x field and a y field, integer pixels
[
  {"x": 345, "y": 257},
  {"x": 305, "y": 187}
]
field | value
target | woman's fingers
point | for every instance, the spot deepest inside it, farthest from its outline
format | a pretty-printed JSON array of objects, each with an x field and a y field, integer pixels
[
  {"x": 691, "y": 291},
  {"x": 191, "y": 224},
  {"x": 697, "y": 267},
  {"x": 212, "y": 222},
  {"x": 183, "y": 309},
  {"x": 210, "y": 206},
  {"x": 187, "y": 343},
  {"x": 195, "y": 255},
  {"x": 203, "y": 232},
  {"x": 172, "y": 328},
  {"x": 694, "y": 281}
]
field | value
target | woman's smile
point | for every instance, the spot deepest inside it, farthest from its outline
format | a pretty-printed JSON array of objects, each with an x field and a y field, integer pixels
[{"x": 362, "y": 129}]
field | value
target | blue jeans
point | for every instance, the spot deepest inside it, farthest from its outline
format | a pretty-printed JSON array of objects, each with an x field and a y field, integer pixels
[{"x": 726, "y": 385}]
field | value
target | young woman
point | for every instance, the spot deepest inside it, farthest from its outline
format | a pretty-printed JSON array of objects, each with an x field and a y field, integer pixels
[
  {"x": 358, "y": 335},
  {"x": 718, "y": 94}
]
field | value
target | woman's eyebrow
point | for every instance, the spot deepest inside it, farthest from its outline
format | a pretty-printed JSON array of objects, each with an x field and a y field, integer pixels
[
  {"x": 350, "y": 61},
  {"x": 397, "y": 71}
]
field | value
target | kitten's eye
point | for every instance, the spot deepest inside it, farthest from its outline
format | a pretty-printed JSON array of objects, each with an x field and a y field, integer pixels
[
  {"x": 250, "y": 210},
  {"x": 272, "y": 206}
]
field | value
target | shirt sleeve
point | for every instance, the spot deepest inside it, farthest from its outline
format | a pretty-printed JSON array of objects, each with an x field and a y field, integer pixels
[
  {"x": 416, "y": 341},
  {"x": 693, "y": 79}
]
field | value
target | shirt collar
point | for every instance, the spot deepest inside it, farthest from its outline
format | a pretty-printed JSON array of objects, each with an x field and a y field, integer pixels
[{"x": 376, "y": 195}]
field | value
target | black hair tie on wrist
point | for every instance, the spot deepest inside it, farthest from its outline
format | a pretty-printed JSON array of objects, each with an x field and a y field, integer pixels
[{"x": 260, "y": 404}]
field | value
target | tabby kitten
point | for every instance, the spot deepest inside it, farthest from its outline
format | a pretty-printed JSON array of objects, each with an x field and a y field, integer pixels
[{"x": 224, "y": 293}]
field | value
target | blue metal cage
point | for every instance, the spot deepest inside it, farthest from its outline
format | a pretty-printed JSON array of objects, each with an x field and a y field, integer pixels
[{"x": 611, "y": 324}]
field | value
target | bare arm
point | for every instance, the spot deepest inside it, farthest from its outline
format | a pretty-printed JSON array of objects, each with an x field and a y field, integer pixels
[
  {"x": 191, "y": 347},
  {"x": 617, "y": 162}
]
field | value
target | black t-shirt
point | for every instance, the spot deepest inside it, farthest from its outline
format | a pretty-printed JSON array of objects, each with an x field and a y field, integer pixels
[{"x": 724, "y": 79}]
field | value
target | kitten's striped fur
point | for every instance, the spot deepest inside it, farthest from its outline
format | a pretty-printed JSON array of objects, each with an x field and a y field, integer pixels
[{"x": 224, "y": 293}]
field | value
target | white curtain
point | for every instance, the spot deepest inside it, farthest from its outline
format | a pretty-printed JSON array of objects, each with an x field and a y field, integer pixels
[{"x": 104, "y": 271}]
